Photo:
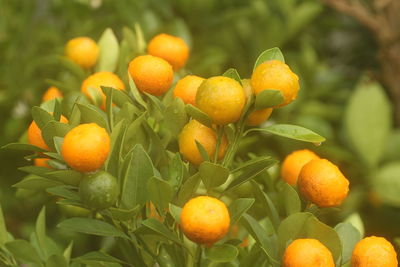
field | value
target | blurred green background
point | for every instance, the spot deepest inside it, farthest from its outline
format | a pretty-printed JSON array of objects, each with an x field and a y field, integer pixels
[{"x": 334, "y": 55}]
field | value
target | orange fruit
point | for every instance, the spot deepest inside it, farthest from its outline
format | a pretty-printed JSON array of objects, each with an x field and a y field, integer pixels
[
  {"x": 322, "y": 183},
  {"x": 276, "y": 75},
  {"x": 195, "y": 131},
  {"x": 186, "y": 88},
  {"x": 172, "y": 49},
  {"x": 102, "y": 78},
  {"x": 292, "y": 164},
  {"x": 35, "y": 134},
  {"x": 259, "y": 116},
  {"x": 83, "y": 51},
  {"x": 51, "y": 93},
  {"x": 205, "y": 220},
  {"x": 307, "y": 253},
  {"x": 86, "y": 147},
  {"x": 222, "y": 99},
  {"x": 151, "y": 74},
  {"x": 374, "y": 252},
  {"x": 41, "y": 162}
]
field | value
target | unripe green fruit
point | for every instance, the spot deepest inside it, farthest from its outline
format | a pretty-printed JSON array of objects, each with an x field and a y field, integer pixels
[{"x": 99, "y": 190}]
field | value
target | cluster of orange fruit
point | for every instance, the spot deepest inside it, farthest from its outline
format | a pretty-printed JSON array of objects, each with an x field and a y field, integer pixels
[{"x": 205, "y": 219}]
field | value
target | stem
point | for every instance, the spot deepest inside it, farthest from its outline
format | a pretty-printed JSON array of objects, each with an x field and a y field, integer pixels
[
  {"x": 220, "y": 131},
  {"x": 199, "y": 252},
  {"x": 234, "y": 146}
]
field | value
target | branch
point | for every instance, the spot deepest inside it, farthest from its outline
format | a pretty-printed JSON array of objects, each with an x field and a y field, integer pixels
[{"x": 357, "y": 11}]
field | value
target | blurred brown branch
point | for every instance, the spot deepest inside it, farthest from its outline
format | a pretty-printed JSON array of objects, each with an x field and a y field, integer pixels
[{"x": 382, "y": 18}]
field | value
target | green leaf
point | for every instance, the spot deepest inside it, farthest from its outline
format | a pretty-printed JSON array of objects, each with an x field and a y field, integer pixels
[
  {"x": 24, "y": 251},
  {"x": 386, "y": 183},
  {"x": 368, "y": 122},
  {"x": 138, "y": 173},
  {"x": 349, "y": 237},
  {"x": 109, "y": 51},
  {"x": 68, "y": 177},
  {"x": 199, "y": 115},
  {"x": 56, "y": 261},
  {"x": 3, "y": 229},
  {"x": 212, "y": 174},
  {"x": 233, "y": 74},
  {"x": 68, "y": 251},
  {"x": 292, "y": 132},
  {"x": 202, "y": 151},
  {"x": 53, "y": 129},
  {"x": 175, "y": 116},
  {"x": 63, "y": 192},
  {"x": 268, "y": 98},
  {"x": 270, "y": 54},
  {"x": 161, "y": 229},
  {"x": 266, "y": 202},
  {"x": 175, "y": 212},
  {"x": 135, "y": 93},
  {"x": 249, "y": 170},
  {"x": 305, "y": 225},
  {"x": 124, "y": 215},
  {"x": 160, "y": 193},
  {"x": 20, "y": 146},
  {"x": 41, "y": 231},
  {"x": 221, "y": 253},
  {"x": 97, "y": 256},
  {"x": 291, "y": 199},
  {"x": 176, "y": 171},
  {"x": 238, "y": 207},
  {"x": 91, "y": 226},
  {"x": 41, "y": 116},
  {"x": 357, "y": 222},
  {"x": 188, "y": 188},
  {"x": 120, "y": 97},
  {"x": 260, "y": 235},
  {"x": 33, "y": 182},
  {"x": 90, "y": 113}
]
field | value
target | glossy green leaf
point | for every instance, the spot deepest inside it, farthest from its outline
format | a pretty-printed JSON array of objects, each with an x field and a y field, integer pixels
[
  {"x": 124, "y": 215},
  {"x": 233, "y": 74},
  {"x": 238, "y": 207},
  {"x": 292, "y": 132},
  {"x": 356, "y": 221},
  {"x": 177, "y": 172},
  {"x": 270, "y": 54},
  {"x": 136, "y": 94},
  {"x": 91, "y": 226},
  {"x": 188, "y": 188},
  {"x": 198, "y": 115},
  {"x": 291, "y": 199},
  {"x": 160, "y": 193},
  {"x": 97, "y": 256},
  {"x": 53, "y": 129},
  {"x": 41, "y": 231},
  {"x": 175, "y": 212},
  {"x": 249, "y": 170},
  {"x": 90, "y": 113},
  {"x": 260, "y": 235},
  {"x": 175, "y": 116},
  {"x": 161, "y": 229},
  {"x": 20, "y": 146},
  {"x": 267, "y": 204},
  {"x": 268, "y": 98},
  {"x": 212, "y": 174},
  {"x": 221, "y": 253},
  {"x": 63, "y": 192},
  {"x": 368, "y": 120},
  {"x": 41, "y": 116},
  {"x": 33, "y": 182},
  {"x": 109, "y": 51},
  {"x": 202, "y": 151},
  {"x": 349, "y": 237},
  {"x": 138, "y": 173},
  {"x": 305, "y": 225}
]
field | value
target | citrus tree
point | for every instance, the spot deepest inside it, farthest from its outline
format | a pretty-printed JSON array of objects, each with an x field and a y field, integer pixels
[{"x": 153, "y": 156}]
